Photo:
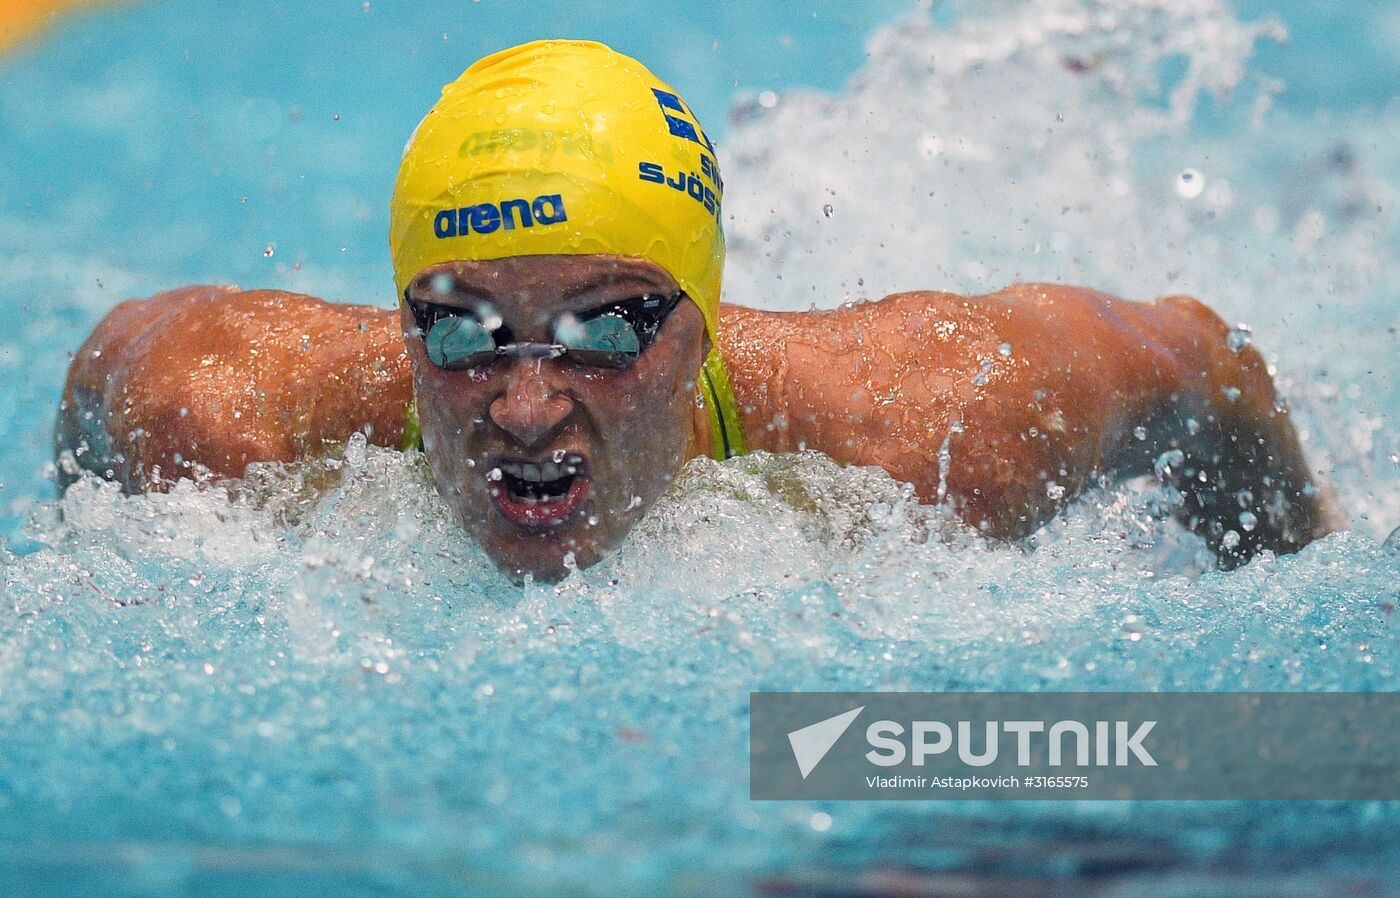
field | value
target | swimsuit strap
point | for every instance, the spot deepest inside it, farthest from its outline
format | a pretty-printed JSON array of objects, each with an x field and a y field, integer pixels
[
  {"x": 726, "y": 430},
  {"x": 412, "y": 429}
]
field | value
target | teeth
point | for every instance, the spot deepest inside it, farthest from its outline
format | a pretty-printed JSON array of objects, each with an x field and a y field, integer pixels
[{"x": 566, "y": 465}]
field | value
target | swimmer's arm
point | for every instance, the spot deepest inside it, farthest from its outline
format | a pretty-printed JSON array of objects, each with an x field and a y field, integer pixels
[
  {"x": 1224, "y": 438},
  {"x": 217, "y": 378},
  {"x": 1008, "y": 405}
]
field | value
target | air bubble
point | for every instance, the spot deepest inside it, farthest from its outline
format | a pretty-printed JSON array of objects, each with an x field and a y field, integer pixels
[
  {"x": 1169, "y": 463},
  {"x": 1238, "y": 338},
  {"x": 1190, "y": 183}
]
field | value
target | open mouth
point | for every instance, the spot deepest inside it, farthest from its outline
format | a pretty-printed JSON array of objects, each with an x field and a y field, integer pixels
[{"x": 538, "y": 493}]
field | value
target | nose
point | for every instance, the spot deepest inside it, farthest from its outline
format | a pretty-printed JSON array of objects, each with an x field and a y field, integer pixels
[{"x": 530, "y": 408}]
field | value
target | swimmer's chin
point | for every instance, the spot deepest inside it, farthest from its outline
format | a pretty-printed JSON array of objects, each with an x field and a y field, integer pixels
[
  {"x": 545, "y": 557},
  {"x": 546, "y": 568}
]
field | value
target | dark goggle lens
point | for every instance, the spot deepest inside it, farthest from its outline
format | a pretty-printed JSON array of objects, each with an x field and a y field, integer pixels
[
  {"x": 607, "y": 341},
  {"x": 613, "y": 338},
  {"x": 459, "y": 341}
]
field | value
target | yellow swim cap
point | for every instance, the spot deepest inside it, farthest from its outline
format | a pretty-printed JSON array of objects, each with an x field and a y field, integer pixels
[
  {"x": 561, "y": 147},
  {"x": 567, "y": 147}
]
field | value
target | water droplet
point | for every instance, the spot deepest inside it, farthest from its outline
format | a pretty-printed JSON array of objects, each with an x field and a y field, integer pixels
[
  {"x": 1168, "y": 463},
  {"x": 821, "y": 821},
  {"x": 1230, "y": 540},
  {"x": 335, "y": 117},
  {"x": 1238, "y": 338},
  {"x": 1231, "y": 393},
  {"x": 489, "y": 317},
  {"x": 1054, "y": 490},
  {"x": 355, "y": 449},
  {"x": 767, "y": 99},
  {"x": 1140, "y": 432},
  {"x": 1004, "y": 350},
  {"x": 1248, "y": 521},
  {"x": 441, "y": 282},
  {"x": 828, "y": 210},
  {"x": 1193, "y": 426},
  {"x": 984, "y": 375},
  {"x": 1190, "y": 183},
  {"x": 269, "y": 250}
]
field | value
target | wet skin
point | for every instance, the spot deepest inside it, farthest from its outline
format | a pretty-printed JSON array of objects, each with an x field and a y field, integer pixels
[
  {"x": 626, "y": 432},
  {"x": 1029, "y": 395}
]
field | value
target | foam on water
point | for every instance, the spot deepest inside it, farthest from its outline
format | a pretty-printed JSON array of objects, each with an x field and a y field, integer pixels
[
  {"x": 317, "y": 677},
  {"x": 1060, "y": 141}
]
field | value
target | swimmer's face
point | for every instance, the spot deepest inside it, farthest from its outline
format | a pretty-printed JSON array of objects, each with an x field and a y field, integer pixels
[{"x": 540, "y": 458}]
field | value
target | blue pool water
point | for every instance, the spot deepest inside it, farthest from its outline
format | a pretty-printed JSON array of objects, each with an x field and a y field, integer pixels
[{"x": 329, "y": 690}]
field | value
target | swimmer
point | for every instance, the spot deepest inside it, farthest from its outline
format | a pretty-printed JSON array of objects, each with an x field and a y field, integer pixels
[{"x": 560, "y": 351}]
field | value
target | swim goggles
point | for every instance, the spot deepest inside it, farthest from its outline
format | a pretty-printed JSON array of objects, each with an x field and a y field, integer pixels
[{"x": 612, "y": 335}]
